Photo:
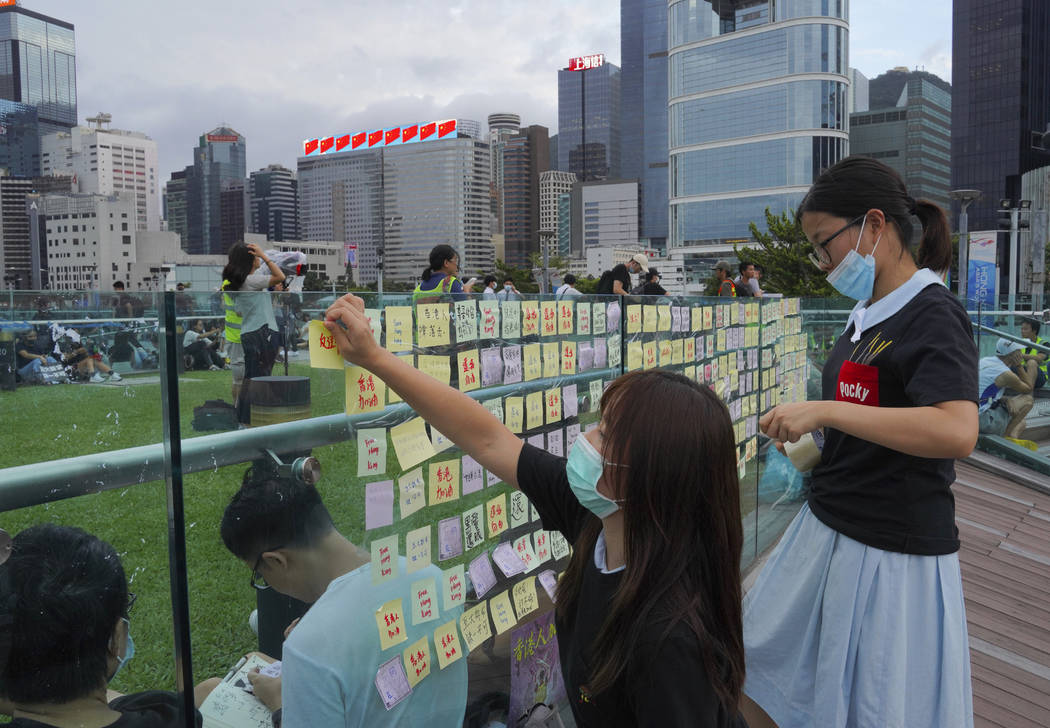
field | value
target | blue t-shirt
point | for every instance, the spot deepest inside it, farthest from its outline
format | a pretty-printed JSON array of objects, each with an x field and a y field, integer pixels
[{"x": 436, "y": 280}]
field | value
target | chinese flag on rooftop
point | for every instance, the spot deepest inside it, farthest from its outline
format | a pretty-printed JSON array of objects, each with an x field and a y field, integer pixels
[
  {"x": 375, "y": 137},
  {"x": 357, "y": 140},
  {"x": 409, "y": 133},
  {"x": 341, "y": 142},
  {"x": 327, "y": 144},
  {"x": 393, "y": 135},
  {"x": 309, "y": 147},
  {"x": 427, "y": 130},
  {"x": 446, "y": 127}
]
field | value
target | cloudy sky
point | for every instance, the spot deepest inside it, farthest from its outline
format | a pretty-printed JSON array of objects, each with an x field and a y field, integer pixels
[{"x": 279, "y": 72}]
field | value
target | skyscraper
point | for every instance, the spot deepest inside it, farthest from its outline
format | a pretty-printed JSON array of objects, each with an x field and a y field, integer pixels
[
  {"x": 20, "y": 141},
  {"x": 589, "y": 118},
  {"x": 218, "y": 160},
  {"x": 1001, "y": 98},
  {"x": 525, "y": 158},
  {"x": 273, "y": 201},
  {"x": 643, "y": 104},
  {"x": 553, "y": 185},
  {"x": 502, "y": 127},
  {"x": 758, "y": 108},
  {"x": 38, "y": 65}
]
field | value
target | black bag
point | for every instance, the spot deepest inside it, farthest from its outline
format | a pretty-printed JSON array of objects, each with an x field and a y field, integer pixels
[
  {"x": 215, "y": 414},
  {"x": 605, "y": 283}
]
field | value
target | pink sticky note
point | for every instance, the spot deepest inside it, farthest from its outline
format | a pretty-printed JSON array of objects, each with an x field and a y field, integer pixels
[
  {"x": 473, "y": 479},
  {"x": 554, "y": 443},
  {"x": 507, "y": 559},
  {"x": 450, "y": 538},
  {"x": 481, "y": 575},
  {"x": 392, "y": 682},
  {"x": 379, "y": 504},
  {"x": 549, "y": 582},
  {"x": 570, "y": 405},
  {"x": 491, "y": 367},
  {"x": 536, "y": 441}
]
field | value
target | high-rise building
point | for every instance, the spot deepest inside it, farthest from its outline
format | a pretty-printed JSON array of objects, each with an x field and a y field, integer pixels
[
  {"x": 1001, "y": 99},
  {"x": 553, "y": 185},
  {"x": 525, "y": 159},
  {"x": 218, "y": 160},
  {"x": 858, "y": 91},
  {"x": 502, "y": 127},
  {"x": 90, "y": 240},
  {"x": 589, "y": 118},
  {"x": 16, "y": 238},
  {"x": 274, "y": 205},
  {"x": 604, "y": 213},
  {"x": 643, "y": 111},
  {"x": 758, "y": 108},
  {"x": 20, "y": 140},
  {"x": 38, "y": 65},
  {"x": 234, "y": 212},
  {"x": 912, "y": 135},
  {"x": 107, "y": 161},
  {"x": 175, "y": 203}
]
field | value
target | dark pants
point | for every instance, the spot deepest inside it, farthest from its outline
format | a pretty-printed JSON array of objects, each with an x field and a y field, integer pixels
[
  {"x": 259, "y": 356},
  {"x": 203, "y": 355}
]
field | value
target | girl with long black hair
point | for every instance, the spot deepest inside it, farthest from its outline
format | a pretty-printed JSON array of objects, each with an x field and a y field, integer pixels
[{"x": 648, "y": 611}]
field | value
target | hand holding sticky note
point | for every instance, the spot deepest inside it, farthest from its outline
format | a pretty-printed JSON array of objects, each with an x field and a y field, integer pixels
[{"x": 324, "y": 354}]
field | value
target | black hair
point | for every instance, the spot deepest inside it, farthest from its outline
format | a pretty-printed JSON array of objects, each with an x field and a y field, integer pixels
[
  {"x": 438, "y": 255},
  {"x": 272, "y": 513},
  {"x": 509, "y": 278},
  {"x": 743, "y": 266},
  {"x": 65, "y": 591},
  {"x": 570, "y": 279},
  {"x": 858, "y": 184},
  {"x": 118, "y": 285},
  {"x": 1034, "y": 323},
  {"x": 238, "y": 266},
  {"x": 490, "y": 279}
]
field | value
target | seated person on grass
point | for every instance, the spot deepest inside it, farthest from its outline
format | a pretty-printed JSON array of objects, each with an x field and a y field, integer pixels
[
  {"x": 201, "y": 345},
  {"x": 999, "y": 414},
  {"x": 281, "y": 530},
  {"x": 33, "y": 352},
  {"x": 65, "y": 621}
]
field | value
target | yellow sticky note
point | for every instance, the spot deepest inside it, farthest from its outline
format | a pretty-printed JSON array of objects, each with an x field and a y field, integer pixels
[
  {"x": 432, "y": 324},
  {"x": 568, "y": 357},
  {"x": 721, "y": 338},
  {"x": 565, "y": 323},
  {"x": 411, "y": 443},
  {"x": 665, "y": 352},
  {"x": 696, "y": 318},
  {"x": 399, "y": 328},
  {"x": 324, "y": 354},
  {"x": 634, "y": 318},
  {"x": 649, "y": 350},
  {"x": 634, "y": 356},
  {"x": 502, "y": 612},
  {"x": 417, "y": 549},
  {"x": 496, "y": 515},
  {"x": 525, "y": 599},
  {"x": 390, "y": 620},
  {"x": 515, "y": 412},
  {"x": 411, "y": 487},
  {"x": 446, "y": 644},
  {"x": 664, "y": 321},
  {"x": 689, "y": 349},
  {"x": 551, "y": 359},
  {"x": 709, "y": 316},
  {"x": 365, "y": 392},
  {"x": 444, "y": 481},
  {"x": 552, "y": 405},
  {"x": 417, "y": 660},
  {"x": 469, "y": 369},
  {"x": 530, "y": 318},
  {"x": 677, "y": 350},
  {"x": 533, "y": 410},
  {"x": 438, "y": 367},
  {"x": 531, "y": 362},
  {"x": 548, "y": 318},
  {"x": 649, "y": 318},
  {"x": 474, "y": 624},
  {"x": 384, "y": 559}
]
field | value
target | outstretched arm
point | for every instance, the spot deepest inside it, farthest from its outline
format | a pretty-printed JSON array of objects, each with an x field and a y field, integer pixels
[{"x": 457, "y": 416}]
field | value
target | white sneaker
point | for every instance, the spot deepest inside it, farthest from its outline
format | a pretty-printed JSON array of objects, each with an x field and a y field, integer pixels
[
  {"x": 213, "y": 368},
  {"x": 97, "y": 378},
  {"x": 114, "y": 377}
]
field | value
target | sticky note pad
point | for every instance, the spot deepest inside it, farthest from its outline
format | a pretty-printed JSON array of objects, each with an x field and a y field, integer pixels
[
  {"x": 595, "y": 392},
  {"x": 635, "y": 357},
  {"x": 399, "y": 328},
  {"x": 390, "y": 620},
  {"x": 525, "y": 599},
  {"x": 450, "y": 538},
  {"x": 663, "y": 322},
  {"x": 473, "y": 476},
  {"x": 708, "y": 316},
  {"x": 324, "y": 354},
  {"x": 551, "y": 359},
  {"x": 552, "y": 405},
  {"x": 696, "y": 316},
  {"x": 548, "y": 318},
  {"x": 474, "y": 625},
  {"x": 439, "y": 441},
  {"x": 384, "y": 559},
  {"x": 432, "y": 324},
  {"x": 511, "y": 313},
  {"x": 438, "y": 367},
  {"x": 417, "y": 549},
  {"x": 512, "y": 367},
  {"x": 496, "y": 514},
  {"x": 515, "y": 412},
  {"x": 523, "y": 546},
  {"x": 490, "y": 313},
  {"x": 453, "y": 591},
  {"x": 371, "y": 452},
  {"x": 519, "y": 509},
  {"x": 533, "y": 410},
  {"x": 549, "y": 581},
  {"x": 416, "y": 658},
  {"x": 365, "y": 392},
  {"x": 613, "y": 347},
  {"x": 411, "y": 443},
  {"x": 411, "y": 486},
  {"x": 568, "y": 357},
  {"x": 473, "y": 527},
  {"x": 583, "y": 318},
  {"x": 424, "y": 601},
  {"x": 559, "y": 545},
  {"x": 541, "y": 545},
  {"x": 446, "y": 644},
  {"x": 379, "y": 504},
  {"x": 502, "y": 612},
  {"x": 444, "y": 481},
  {"x": 565, "y": 317},
  {"x": 466, "y": 313},
  {"x": 481, "y": 575},
  {"x": 598, "y": 323},
  {"x": 530, "y": 318},
  {"x": 650, "y": 317},
  {"x": 664, "y": 352},
  {"x": 469, "y": 370},
  {"x": 492, "y": 366},
  {"x": 634, "y": 318},
  {"x": 507, "y": 559},
  {"x": 649, "y": 353},
  {"x": 532, "y": 363},
  {"x": 392, "y": 683}
]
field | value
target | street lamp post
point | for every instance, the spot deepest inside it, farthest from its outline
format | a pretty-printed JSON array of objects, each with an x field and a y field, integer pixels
[
  {"x": 965, "y": 198},
  {"x": 545, "y": 238}
]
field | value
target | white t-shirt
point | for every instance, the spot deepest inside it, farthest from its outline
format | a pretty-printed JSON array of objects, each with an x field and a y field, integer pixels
[
  {"x": 988, "y": 370},
  {"x": 330, "y": 660},
  {"x": 189, "y": 337},
  {"x": 256, "y": 308}
]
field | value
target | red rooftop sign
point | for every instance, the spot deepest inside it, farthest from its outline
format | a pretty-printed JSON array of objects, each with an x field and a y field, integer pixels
[
  {"x": 375, "y": 138},
  {"x": 586, "y": 63},
  {"x": 222, "y": 137}
]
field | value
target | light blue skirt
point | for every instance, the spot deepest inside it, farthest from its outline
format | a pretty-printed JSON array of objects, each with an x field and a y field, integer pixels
[{"x": 839, "y": 634}]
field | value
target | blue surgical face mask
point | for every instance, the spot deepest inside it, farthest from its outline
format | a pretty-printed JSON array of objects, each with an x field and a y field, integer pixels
[
  {"x": 584, "y": 469},
  {"x": 855, "y": 275},
  {"x": 129, "y": 651}
]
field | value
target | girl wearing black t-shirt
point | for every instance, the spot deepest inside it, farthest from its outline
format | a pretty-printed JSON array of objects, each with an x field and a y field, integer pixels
[
  {"x": 858, "y": 617},
  {"x": 648, "y": 610}
]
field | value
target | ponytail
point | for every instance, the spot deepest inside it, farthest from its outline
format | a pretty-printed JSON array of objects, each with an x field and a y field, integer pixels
[
  {"x": 427, "y": 272},
  {"x": 935, "y": 246}
]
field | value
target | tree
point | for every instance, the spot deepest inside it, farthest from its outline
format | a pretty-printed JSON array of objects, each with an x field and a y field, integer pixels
[
  {"x": 521, "y": 276},
  {"x": 313, "y": 281},
  {"x": 783, "y": 252},
  {"x": 587, "y": 285}
]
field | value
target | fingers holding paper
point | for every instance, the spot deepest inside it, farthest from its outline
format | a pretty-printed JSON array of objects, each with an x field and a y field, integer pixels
[{"x": 351, "y": 329}]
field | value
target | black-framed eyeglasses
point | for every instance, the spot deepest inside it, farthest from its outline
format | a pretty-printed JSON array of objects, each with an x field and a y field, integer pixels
[
  {"x": 819, "y": 257},
  {"x": 258, "y": 580}
]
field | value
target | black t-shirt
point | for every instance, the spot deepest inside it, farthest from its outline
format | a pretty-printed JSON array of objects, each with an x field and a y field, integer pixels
[
  {"x": 149, "y": 709},
  {"x": 665, "y": 684},
  {"x": 919, "y": 356},
  {"x": 39, "y": 347},
  {"x": 618, "y": 273}
]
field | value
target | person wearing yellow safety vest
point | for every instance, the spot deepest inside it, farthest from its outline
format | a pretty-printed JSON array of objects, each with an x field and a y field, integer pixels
[
  {"x": 1034, "y": 360},
  {"x": 439, "y": 277},
  {"x": 726, "y": 287},
  {"x": 250, "y": 322}
]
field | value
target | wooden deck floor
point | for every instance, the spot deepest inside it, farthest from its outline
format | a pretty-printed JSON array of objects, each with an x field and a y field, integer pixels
[{"x": 1005, "y": 558}]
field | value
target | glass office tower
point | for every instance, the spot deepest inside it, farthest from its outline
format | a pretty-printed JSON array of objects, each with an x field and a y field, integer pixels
[
  {"x": 643, "y": 117},
  {"x": 218, "y": 160},
  {"x": 758, "y": 107},
  {"x": 589, "y": 122},
  {"x": 38, "y": 66}
]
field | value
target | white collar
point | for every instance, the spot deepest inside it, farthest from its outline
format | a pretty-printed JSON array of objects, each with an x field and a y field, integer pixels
[
  {"x": 865, "y": 316},
  {"x": 599, "y": 556}
]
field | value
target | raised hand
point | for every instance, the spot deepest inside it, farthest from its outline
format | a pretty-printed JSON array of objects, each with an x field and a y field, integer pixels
[{"x": 351, "y": 329}]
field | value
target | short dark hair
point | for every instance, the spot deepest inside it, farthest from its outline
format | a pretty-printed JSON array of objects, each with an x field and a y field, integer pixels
[
  {"x": 272, "y": 513},
  {"x": 744, "y": 266},
  {"x": 569, "y": 278},
  {"x": 490, "y": 279},
  {"x": 1034, "y": 323},
  {"x": 65, "y": 590},
  {"x": 509, "y": 278},
  {"x": 118, "y": 285}
]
